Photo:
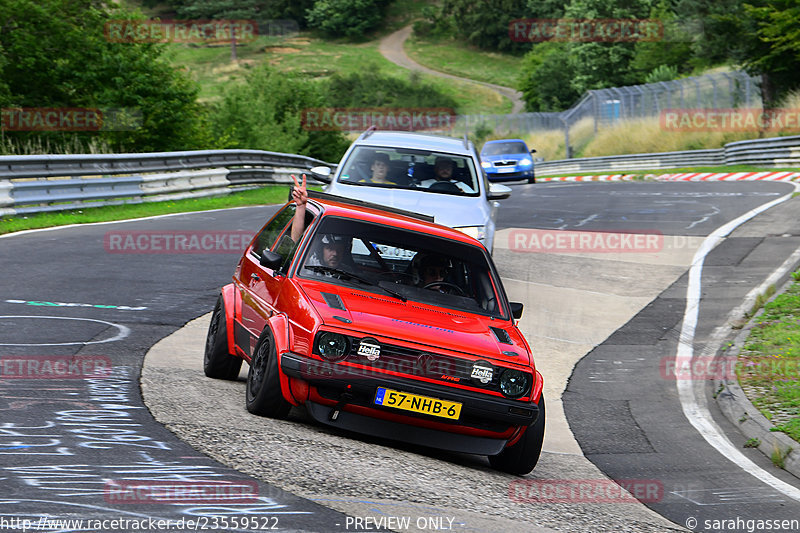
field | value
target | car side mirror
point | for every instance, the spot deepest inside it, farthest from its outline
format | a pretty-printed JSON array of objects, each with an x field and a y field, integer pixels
[
  {"x": 533, "y": 151},
  {"x": 498, "y": 192},
  {"x": 516, "y": 309},
  {"x": 322, "y": 173},
  {"x": 270, "y": 259}
]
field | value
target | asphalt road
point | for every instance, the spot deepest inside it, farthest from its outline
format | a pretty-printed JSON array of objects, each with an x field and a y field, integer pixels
[{"x": 67, "y": 292}]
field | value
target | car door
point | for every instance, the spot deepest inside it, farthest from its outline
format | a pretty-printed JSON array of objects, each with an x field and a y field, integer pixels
[{"x": 259, "y": 286}]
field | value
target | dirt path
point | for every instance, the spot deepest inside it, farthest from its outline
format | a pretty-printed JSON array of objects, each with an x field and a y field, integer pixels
[{"x": 391, "y": 47}]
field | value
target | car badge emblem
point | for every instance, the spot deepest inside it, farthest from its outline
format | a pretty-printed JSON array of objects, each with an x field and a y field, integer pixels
[
  {"x": 482, "y": 372},
  {"x": 370, "y": 348}
]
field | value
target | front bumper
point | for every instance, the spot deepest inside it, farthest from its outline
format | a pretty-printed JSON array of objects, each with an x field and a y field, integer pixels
[
  {"x": 485, "y": 422},
  {"x": 493, "y": 175}
]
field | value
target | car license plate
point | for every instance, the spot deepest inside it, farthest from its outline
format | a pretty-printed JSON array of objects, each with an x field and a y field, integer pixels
[
  {"x": 417, "y": 404},
  {"x": 506, "y": 169}
]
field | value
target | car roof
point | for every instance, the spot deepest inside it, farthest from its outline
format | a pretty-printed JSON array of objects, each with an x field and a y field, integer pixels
[
  {"x": 500, "y": 141},
  {"x": 332, "y": 205},
  {"x": 421, "y": 141}
]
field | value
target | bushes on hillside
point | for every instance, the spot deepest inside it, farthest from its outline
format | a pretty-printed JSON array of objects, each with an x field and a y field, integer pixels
[
  {"x": 265, "y": 113},
  {"x": 372, "y": 88},
  {"x": 346, "y": 18}
]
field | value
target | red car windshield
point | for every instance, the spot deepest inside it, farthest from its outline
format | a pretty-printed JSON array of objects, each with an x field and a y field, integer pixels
[{"x": 414, "y": 265}]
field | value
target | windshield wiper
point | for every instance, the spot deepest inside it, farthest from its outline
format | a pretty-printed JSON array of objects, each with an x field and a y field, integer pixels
[{"x": 351, "y": 275}]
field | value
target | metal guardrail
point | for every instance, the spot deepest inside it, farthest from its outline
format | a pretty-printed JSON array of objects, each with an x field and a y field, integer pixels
[
  {"x": 30, "y": 184},
  {"x": 774, "y": 152}
]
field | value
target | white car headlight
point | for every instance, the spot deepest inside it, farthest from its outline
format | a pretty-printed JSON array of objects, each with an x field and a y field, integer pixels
[
  {"x": 486, "y": 164},
  {"x": 476, "y": 232},
  {"x": 525, "y": 162}
]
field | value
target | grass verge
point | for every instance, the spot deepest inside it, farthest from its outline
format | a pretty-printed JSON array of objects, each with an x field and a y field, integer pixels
[
  {"x": 769, "y": 362},
  {"x": 212, "y": 68},
  {"x": 460, "y": 59},
  {"x": 272, "y": 194}
]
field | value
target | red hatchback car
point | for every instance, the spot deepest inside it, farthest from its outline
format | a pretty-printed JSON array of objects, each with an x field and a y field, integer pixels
[{"x": 383, "y": 323}]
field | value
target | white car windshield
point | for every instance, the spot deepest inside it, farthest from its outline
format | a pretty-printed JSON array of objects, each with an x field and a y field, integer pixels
[{"x": 404, "y": 168}]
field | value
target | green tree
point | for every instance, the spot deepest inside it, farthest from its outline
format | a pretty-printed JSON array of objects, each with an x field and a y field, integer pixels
[
  {"x": 719, "y": 26},
  {"x": 353, "y": 19},
  {"x": 603, "y": 64},
  {"x": 546, "y": 78},
  {"x": 55, "y": 54},
  {"x": 773, "y": 47},
  {"x": 556, "y": 74},
  {"x": 654, "y": 60},
  {"x": 485, "y": 23},
  {"x": 265, "y": 113}
]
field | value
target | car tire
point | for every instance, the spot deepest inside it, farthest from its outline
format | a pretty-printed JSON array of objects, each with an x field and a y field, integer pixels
[
  {"x": 521, "y": 458},
  {"x": 532, "y": 179},
  {"x": 263, "y": 396},
  {"x": 218, "y": 362}
]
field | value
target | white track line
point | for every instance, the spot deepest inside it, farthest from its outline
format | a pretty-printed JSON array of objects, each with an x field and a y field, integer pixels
[{"x": 690, "y": 392}]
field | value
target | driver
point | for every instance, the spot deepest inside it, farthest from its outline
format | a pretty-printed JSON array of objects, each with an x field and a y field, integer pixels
[
  {"x": 330, "y": 252},
  {"x": 432, "y": 268},
  {"x": 443, "y": 170}
]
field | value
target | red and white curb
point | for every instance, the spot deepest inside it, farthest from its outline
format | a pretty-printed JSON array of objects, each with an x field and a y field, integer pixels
[
  {"x": 604, "y": 177},
  {"x": 728, "y": 176},
  {"x": 686, "y": 176}
]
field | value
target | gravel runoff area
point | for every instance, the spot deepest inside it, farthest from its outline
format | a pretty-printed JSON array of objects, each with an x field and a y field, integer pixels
[
  {"x": 357, "y": 475},
  {"x": 363, "y": 476}
]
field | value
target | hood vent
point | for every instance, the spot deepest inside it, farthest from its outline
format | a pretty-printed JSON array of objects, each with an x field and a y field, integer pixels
[
  {"x": 501, "y": 335},
  {"x": 333, "y": 301}
]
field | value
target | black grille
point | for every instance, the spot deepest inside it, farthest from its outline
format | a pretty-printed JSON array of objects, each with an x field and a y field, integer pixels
[{"x": 424, "y": 364}]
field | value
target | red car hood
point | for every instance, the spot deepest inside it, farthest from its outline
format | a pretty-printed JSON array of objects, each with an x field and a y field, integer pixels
[{"x": 386, "y": 316}]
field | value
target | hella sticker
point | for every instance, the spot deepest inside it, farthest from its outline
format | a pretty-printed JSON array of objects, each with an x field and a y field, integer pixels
[
  {"x": 370, "y": 348},
  {"x": 482, "y": 371}
]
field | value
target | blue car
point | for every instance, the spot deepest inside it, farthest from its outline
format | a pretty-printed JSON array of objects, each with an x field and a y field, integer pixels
[{"x": 508, "y": 159}]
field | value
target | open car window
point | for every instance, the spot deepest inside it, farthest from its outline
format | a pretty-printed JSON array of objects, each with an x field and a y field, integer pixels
[
  {"x": 414, "y": 265},
  {"x": 412, "y": 169}
]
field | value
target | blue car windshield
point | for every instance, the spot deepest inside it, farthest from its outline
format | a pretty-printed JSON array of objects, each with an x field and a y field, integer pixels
[{"x": 504, "y": 148}]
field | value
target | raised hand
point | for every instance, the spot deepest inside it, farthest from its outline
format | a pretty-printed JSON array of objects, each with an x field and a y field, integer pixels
[{"x": 299, "y": 192}]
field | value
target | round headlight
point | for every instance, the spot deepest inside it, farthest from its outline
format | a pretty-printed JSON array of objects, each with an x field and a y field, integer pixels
[
  {"x": 332, "y": 346},
  {"x": 514, "y": 384}
]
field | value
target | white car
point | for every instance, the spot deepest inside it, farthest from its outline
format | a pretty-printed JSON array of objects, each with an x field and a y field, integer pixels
[{"x": 402, "y": 170}]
